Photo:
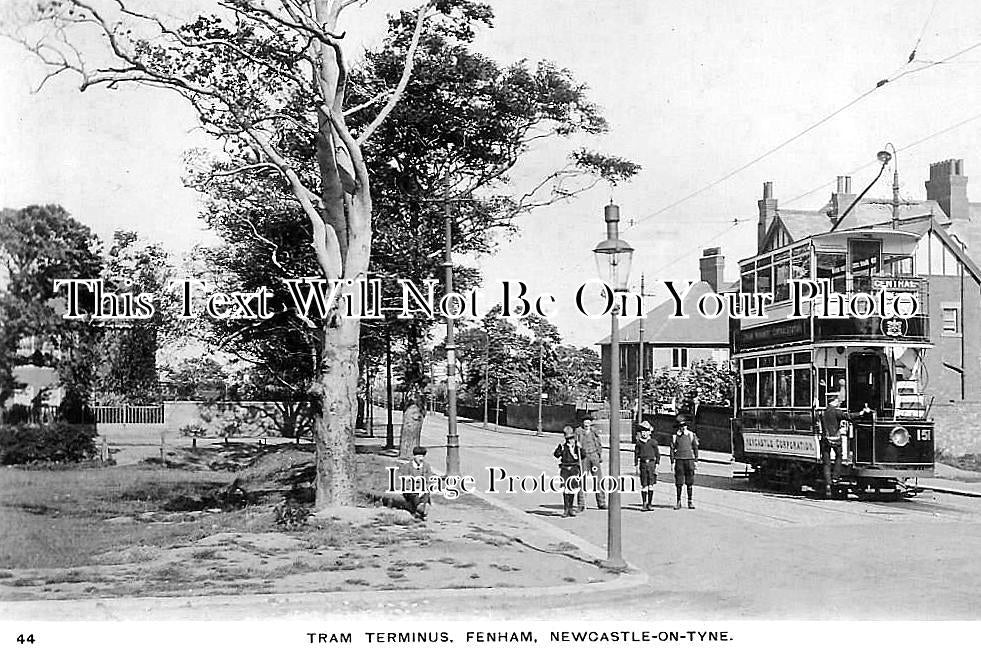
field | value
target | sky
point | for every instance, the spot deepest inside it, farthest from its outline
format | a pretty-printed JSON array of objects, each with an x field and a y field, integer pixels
[{"x": 692, "y": 91}]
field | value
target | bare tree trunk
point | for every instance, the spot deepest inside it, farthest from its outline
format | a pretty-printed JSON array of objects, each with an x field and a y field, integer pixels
[
  {"x": 334, "y": 423},
  {"x": 412, "y": 419},
  {"x": 414, "y": 413}
]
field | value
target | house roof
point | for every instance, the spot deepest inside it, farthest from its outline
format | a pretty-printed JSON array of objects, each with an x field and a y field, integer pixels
[
  {"x": 801, "y": 223},
  {"x": 661, "y": 328}
]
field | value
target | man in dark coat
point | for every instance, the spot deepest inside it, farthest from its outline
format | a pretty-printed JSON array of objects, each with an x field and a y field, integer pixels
[
  {"x": 570, "y": 469},
  {"x": 592, "y": 459},
  {"x": 646, "y": 458}
]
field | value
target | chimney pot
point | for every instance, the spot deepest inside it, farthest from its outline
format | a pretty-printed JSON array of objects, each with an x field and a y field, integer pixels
[{"x": 767, "y": 190}]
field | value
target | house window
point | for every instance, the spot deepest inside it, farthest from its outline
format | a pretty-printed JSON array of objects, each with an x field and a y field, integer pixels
[
  {"x": 951, "y": 318},
  {"x": 679, "y": 357}
]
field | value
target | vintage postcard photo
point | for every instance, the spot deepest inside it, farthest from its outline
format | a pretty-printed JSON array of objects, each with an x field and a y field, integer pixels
[{"x": 437, "y": 323}]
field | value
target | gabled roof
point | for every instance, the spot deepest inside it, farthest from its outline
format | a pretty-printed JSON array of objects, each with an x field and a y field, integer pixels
[
  {"x": 801, "y": 223},
  {"x": 968, "y": 231},
  {"x": 662, "y": 329}
]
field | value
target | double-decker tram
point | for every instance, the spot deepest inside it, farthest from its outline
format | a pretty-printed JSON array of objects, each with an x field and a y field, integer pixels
[{"x": 860, "y": 339}]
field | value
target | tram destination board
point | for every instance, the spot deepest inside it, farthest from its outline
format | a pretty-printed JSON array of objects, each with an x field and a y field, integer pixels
[
  {"x": 780, "y": 333},
  {"x": 801, "y": 445}
]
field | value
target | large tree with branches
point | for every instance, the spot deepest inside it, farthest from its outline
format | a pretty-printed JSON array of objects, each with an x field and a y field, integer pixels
[{"x": 259, "y": 73}]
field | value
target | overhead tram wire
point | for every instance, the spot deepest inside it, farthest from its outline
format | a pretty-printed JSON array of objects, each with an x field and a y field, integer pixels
[
  {"x": 901, "y": 73},
  {"x": 908, "y": 146}
]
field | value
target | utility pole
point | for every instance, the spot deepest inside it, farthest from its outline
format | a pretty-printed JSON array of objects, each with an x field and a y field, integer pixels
[
  {"x": 368, "y": 409},
  {"x": 452, "y": 438},
  {"x": 497, "y": 402},
  {"x": 390, "y": 427},
  {"x": 895, "y": 190},
  {"x": 486, "y": 378},
  {"x": 541, "y": 350},
  {"x": 640, "y": 357}
]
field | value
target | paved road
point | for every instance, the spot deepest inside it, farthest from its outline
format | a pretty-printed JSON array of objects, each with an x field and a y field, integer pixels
[{"x": 745, "y": 553}]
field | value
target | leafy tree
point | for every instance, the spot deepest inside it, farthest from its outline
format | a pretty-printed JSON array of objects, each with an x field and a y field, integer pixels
[
  {"x": 262, "y": 78},
  {"x": 129, "y": 370},
  {"x": 579, "y": 373},
  {"x": 703, "y": 382},
  {"x": 39, "y": 244},
  {"x": 449, "y": 147}
]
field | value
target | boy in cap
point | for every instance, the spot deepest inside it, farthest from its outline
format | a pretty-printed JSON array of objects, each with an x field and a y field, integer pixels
[
  {"x": 570, "y": 467},
  {"x": 684, "y": 453},
  {"x": 418, "y": 467},
  {"x": 646, "y": 458}
]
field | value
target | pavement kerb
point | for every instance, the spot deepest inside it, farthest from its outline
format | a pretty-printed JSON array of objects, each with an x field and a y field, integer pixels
[{"x": 949, "y": 491}]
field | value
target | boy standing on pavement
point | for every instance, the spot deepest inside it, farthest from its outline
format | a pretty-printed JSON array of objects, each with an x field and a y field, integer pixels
[
  {"x": 592, "y": 459},
  {"x": 569, "y": 457},
  {"x": 646, "y": 458},
  {"x": 684, "y": 453}
]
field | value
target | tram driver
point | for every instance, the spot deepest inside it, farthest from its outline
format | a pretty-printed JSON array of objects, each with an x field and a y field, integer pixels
[{"x": 834, "y": 429}]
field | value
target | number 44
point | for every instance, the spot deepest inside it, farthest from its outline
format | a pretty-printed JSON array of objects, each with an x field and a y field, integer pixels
[{"x": 28, "y": 639}]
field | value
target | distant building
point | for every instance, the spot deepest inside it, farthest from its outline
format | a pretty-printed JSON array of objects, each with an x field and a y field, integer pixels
[{"x": 670, "y": 342}]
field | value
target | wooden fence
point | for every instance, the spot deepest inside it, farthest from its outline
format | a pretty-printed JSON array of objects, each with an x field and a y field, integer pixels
[{"x": 129, "y": 414}]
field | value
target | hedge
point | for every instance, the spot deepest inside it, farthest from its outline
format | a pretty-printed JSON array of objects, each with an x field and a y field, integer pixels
[{"x": 58, "y": 442}]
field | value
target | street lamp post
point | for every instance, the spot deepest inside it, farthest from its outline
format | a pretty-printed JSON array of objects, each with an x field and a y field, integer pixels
[{"x": 613, "y": 257}]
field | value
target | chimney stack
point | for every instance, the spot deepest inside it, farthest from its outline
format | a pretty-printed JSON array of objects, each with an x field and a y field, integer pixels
[
  {"x": 768, "y": 212},
  {"x": 712, "y": 267},
  {"x": 948, "y": 187},
  {"x": 842, "y": 198}
]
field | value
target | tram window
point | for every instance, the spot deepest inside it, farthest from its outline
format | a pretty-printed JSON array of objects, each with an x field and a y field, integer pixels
[
  {"x": 748, "y": 282},
  {"x": 749, "y": 364},
  {"x": 764, "y": 280},
  {"x": 831, "y": 265},
  {"x": 766, "y": 388},
  {"x": 766, "y": 362},
  {"x": 781, "y": 276},
  {"x": 749, "y": 389},
  {"x": 783, "y": 359},
  {"x": 866, "y": 259},
  {"x": 802, "y": 357},
  {"x": 800, "y": 267},
  {"x": 802, "y": 387},
  {"x": 831, "y": 383},
  {"x": 785, "y": 380},
  {"x": 897, "y": 265}
]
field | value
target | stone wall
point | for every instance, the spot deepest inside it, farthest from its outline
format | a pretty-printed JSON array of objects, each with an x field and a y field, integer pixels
[{"x": 957, "y": 427}]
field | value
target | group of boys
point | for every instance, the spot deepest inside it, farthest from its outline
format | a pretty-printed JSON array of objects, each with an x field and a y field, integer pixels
[{"x": 581, "y": 452}]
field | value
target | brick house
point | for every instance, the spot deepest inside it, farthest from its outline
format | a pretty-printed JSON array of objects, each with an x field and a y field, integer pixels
[{"x": 674, "y": 343}]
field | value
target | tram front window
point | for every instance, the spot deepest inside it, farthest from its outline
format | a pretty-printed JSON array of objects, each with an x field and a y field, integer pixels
[
  {"x": 868, "y": 382},
  {"x": 866, "y": 259}
]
